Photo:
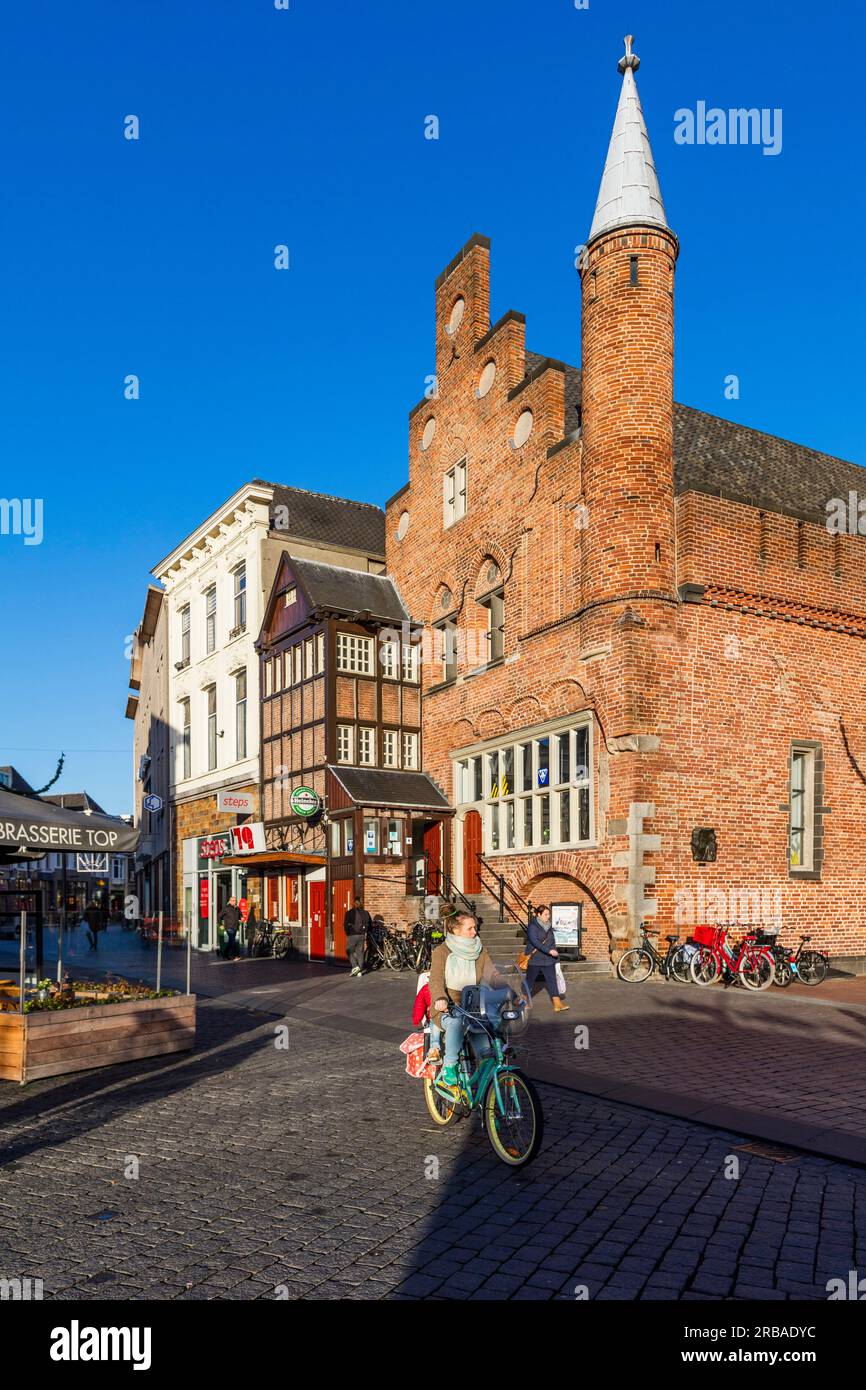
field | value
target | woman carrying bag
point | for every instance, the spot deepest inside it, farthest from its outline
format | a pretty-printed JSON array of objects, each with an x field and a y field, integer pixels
[{"x": 543, "y": 958}]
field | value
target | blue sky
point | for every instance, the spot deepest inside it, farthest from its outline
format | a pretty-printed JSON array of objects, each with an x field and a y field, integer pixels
[{"x": 306, "y": 127}]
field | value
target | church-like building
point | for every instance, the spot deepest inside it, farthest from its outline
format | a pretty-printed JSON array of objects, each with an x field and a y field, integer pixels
[{"x": 643, "y": 677}]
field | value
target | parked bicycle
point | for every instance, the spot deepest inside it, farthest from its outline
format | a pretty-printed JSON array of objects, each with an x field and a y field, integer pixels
[
  {"x": 488, "y": 1079},
  {"x": 747, "y": 962},
  {"x": 637, "y": 964},
  {"x": 272, "y": 939},
  {"x": 809, "y": 967}
]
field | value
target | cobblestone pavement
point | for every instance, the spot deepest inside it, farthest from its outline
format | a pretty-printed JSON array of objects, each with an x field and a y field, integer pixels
[
  {"x": 312, "y": 1172},
  {"x": 783, "y": 1065}
]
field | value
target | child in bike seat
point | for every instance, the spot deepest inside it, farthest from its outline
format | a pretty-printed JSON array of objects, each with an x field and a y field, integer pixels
[{"x": 421, "y": 1015}]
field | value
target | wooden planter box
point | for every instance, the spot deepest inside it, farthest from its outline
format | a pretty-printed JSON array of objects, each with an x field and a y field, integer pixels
[{"x": 50, "y": 1042}]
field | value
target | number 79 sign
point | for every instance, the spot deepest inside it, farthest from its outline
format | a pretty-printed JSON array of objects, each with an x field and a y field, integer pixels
[{"x": 247, "y": 839}]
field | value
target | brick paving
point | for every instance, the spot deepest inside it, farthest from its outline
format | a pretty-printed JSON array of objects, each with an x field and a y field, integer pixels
[
  {"x": 782, "y": 1065},
  {"x": 270, "y": 1173}
]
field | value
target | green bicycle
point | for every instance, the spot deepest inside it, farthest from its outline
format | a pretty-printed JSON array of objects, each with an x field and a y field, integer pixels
[{"x": 488, "y": 1080}]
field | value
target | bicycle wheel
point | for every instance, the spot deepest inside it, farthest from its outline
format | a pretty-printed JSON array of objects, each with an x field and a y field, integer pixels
[
  {"x": 282, "y": 945},
  {"x": 757, "y": 970},
  {"x": 515, "y": 1131},
  {"x": 441, "y": 1113},
  {"x": 812, "y": 967},
  {"x": 705, "y": 968},
  {"x": 635, "y": 966},
  {"x": 680, "y": 966},
  {"x": 393, "y": 954},
  {"x": 784, "y": 973}
]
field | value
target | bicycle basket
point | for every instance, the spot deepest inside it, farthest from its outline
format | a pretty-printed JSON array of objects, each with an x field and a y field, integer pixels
[{"x": 709, "y": 936}]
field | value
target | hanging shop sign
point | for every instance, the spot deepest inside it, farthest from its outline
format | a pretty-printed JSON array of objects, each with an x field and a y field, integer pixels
[
  {"x": 247, "y": 839},
  {"x": 214, "y": 847},
  {"x": 152, "y": 802},
  {"x": 305, "y": 802},
  {"x": 235, "y": 803}
]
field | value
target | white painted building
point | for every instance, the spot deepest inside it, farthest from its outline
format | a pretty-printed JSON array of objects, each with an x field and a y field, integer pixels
[{"x": 216, "y": 582}]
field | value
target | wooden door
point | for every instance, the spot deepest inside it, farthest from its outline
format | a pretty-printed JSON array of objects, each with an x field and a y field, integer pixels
[
  {"x": 433, "y": 856},
  {"x": 471, "y": 849},
  {"x": 342, "y": 895},
  {"x": 317, "y": 921}
]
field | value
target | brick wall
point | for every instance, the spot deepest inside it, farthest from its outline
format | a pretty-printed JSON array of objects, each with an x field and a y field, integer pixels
[
  {"x": 694, "y": 704},
  {"x": 200, "y": 817}
]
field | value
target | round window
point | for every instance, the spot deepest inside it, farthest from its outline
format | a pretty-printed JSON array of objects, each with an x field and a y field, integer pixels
[
  {"x": 486, "y": 379},
  {"x": 402, "y": 526},
  {"x": 456, "y": 318},
  {"x": 429, "y": 431},
  {"x": 523, "y": 429}
]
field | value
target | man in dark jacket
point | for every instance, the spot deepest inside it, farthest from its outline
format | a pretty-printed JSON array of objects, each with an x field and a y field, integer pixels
[
  {"x": 93, "y": 918},
  {"x": 230, "y": 918},
  {"x": 356, "y": 924}
]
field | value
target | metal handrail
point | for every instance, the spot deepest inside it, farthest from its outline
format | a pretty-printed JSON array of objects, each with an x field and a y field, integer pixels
[{"x": 523, "y": 916}]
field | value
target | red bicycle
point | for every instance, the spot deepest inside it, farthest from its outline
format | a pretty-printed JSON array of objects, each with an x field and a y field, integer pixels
[{"x": 748, "y": 962}]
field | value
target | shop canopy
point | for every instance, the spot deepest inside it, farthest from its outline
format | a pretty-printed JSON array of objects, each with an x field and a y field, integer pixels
[
  {"x": 274, "y": 859},
  {"x": 30, "y": 828}
]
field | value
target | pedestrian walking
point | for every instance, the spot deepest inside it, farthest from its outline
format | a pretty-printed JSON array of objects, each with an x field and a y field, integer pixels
[
  {"x": 93, "y": 918},
  {"x": 544, "y": 956},
  {"x": 356, "y": 924},
  {"x": 230, "y": 919}
]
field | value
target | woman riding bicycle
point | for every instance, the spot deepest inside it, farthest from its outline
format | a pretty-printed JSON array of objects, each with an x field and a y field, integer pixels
[{"x": 461, "y": 960}]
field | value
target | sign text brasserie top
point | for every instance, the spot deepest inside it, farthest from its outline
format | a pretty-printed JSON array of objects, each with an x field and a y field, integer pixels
[{"x": 27, "y": 824}]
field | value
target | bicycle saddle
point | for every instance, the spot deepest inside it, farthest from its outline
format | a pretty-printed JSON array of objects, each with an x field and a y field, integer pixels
[{"x": 671, "y": 938}]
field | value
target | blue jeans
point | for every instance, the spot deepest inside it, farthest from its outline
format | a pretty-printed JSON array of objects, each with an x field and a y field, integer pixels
[{"x": 452, "y": 1027}]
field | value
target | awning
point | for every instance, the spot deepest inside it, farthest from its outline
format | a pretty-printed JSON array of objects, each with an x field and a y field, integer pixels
[
  {"x": 390, "y": 789},
  {"x": 274, "y": 859},
  {"x": 26, "y": 823}
]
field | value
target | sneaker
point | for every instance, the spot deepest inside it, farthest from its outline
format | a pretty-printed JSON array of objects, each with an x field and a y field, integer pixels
[
  {"x": 449, "y": 1076},
  {"x": 354, "y": 970}
]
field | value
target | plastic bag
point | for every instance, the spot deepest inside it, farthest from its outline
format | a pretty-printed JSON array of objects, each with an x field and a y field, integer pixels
[{"x": 560, "y": 978}]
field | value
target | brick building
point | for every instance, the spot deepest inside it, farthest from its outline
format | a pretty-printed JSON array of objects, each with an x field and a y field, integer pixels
[{"x": 643, "y": 684}]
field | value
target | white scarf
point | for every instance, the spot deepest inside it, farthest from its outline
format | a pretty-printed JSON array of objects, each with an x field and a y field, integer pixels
[{"x": 463, "y": 952}]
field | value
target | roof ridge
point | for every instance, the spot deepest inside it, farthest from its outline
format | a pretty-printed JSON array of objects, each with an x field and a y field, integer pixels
[{"x": 328, "y": 496}]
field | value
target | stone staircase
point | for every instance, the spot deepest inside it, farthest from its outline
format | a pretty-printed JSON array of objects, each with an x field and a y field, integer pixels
[{"x": 505, "y": 940}]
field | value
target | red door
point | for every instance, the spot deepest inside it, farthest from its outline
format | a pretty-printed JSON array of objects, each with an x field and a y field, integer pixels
[
  {"x": 342, "y": 893},
  {"x": 317, "y": 921},
  {"x": 433, "y": 853},
  {"x": 471, "y": 849}
]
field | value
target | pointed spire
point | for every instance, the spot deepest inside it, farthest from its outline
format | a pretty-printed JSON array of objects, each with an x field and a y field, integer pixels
[{"x": 629, "y": 191}]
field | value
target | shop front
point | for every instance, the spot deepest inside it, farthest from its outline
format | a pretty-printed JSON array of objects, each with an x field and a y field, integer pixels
[
  {"x": 388, "y": 843},
  {"x": 288, "y": 889},
  {"x": 209, "y": 880}
]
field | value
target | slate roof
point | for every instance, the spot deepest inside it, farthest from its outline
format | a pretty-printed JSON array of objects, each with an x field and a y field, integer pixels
[
  {"x": 16, "y": 782},
  {"x": 350, "y": 591},
  {"x": 317, "y": 516},
  {"x": 729, "y": 460},
  {"x": 377, "y": 786},
  {"x": 76, "y": 801}
]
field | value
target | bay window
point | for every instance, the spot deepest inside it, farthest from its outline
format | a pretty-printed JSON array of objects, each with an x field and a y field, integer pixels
[{"x": 532, "y": 794}]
